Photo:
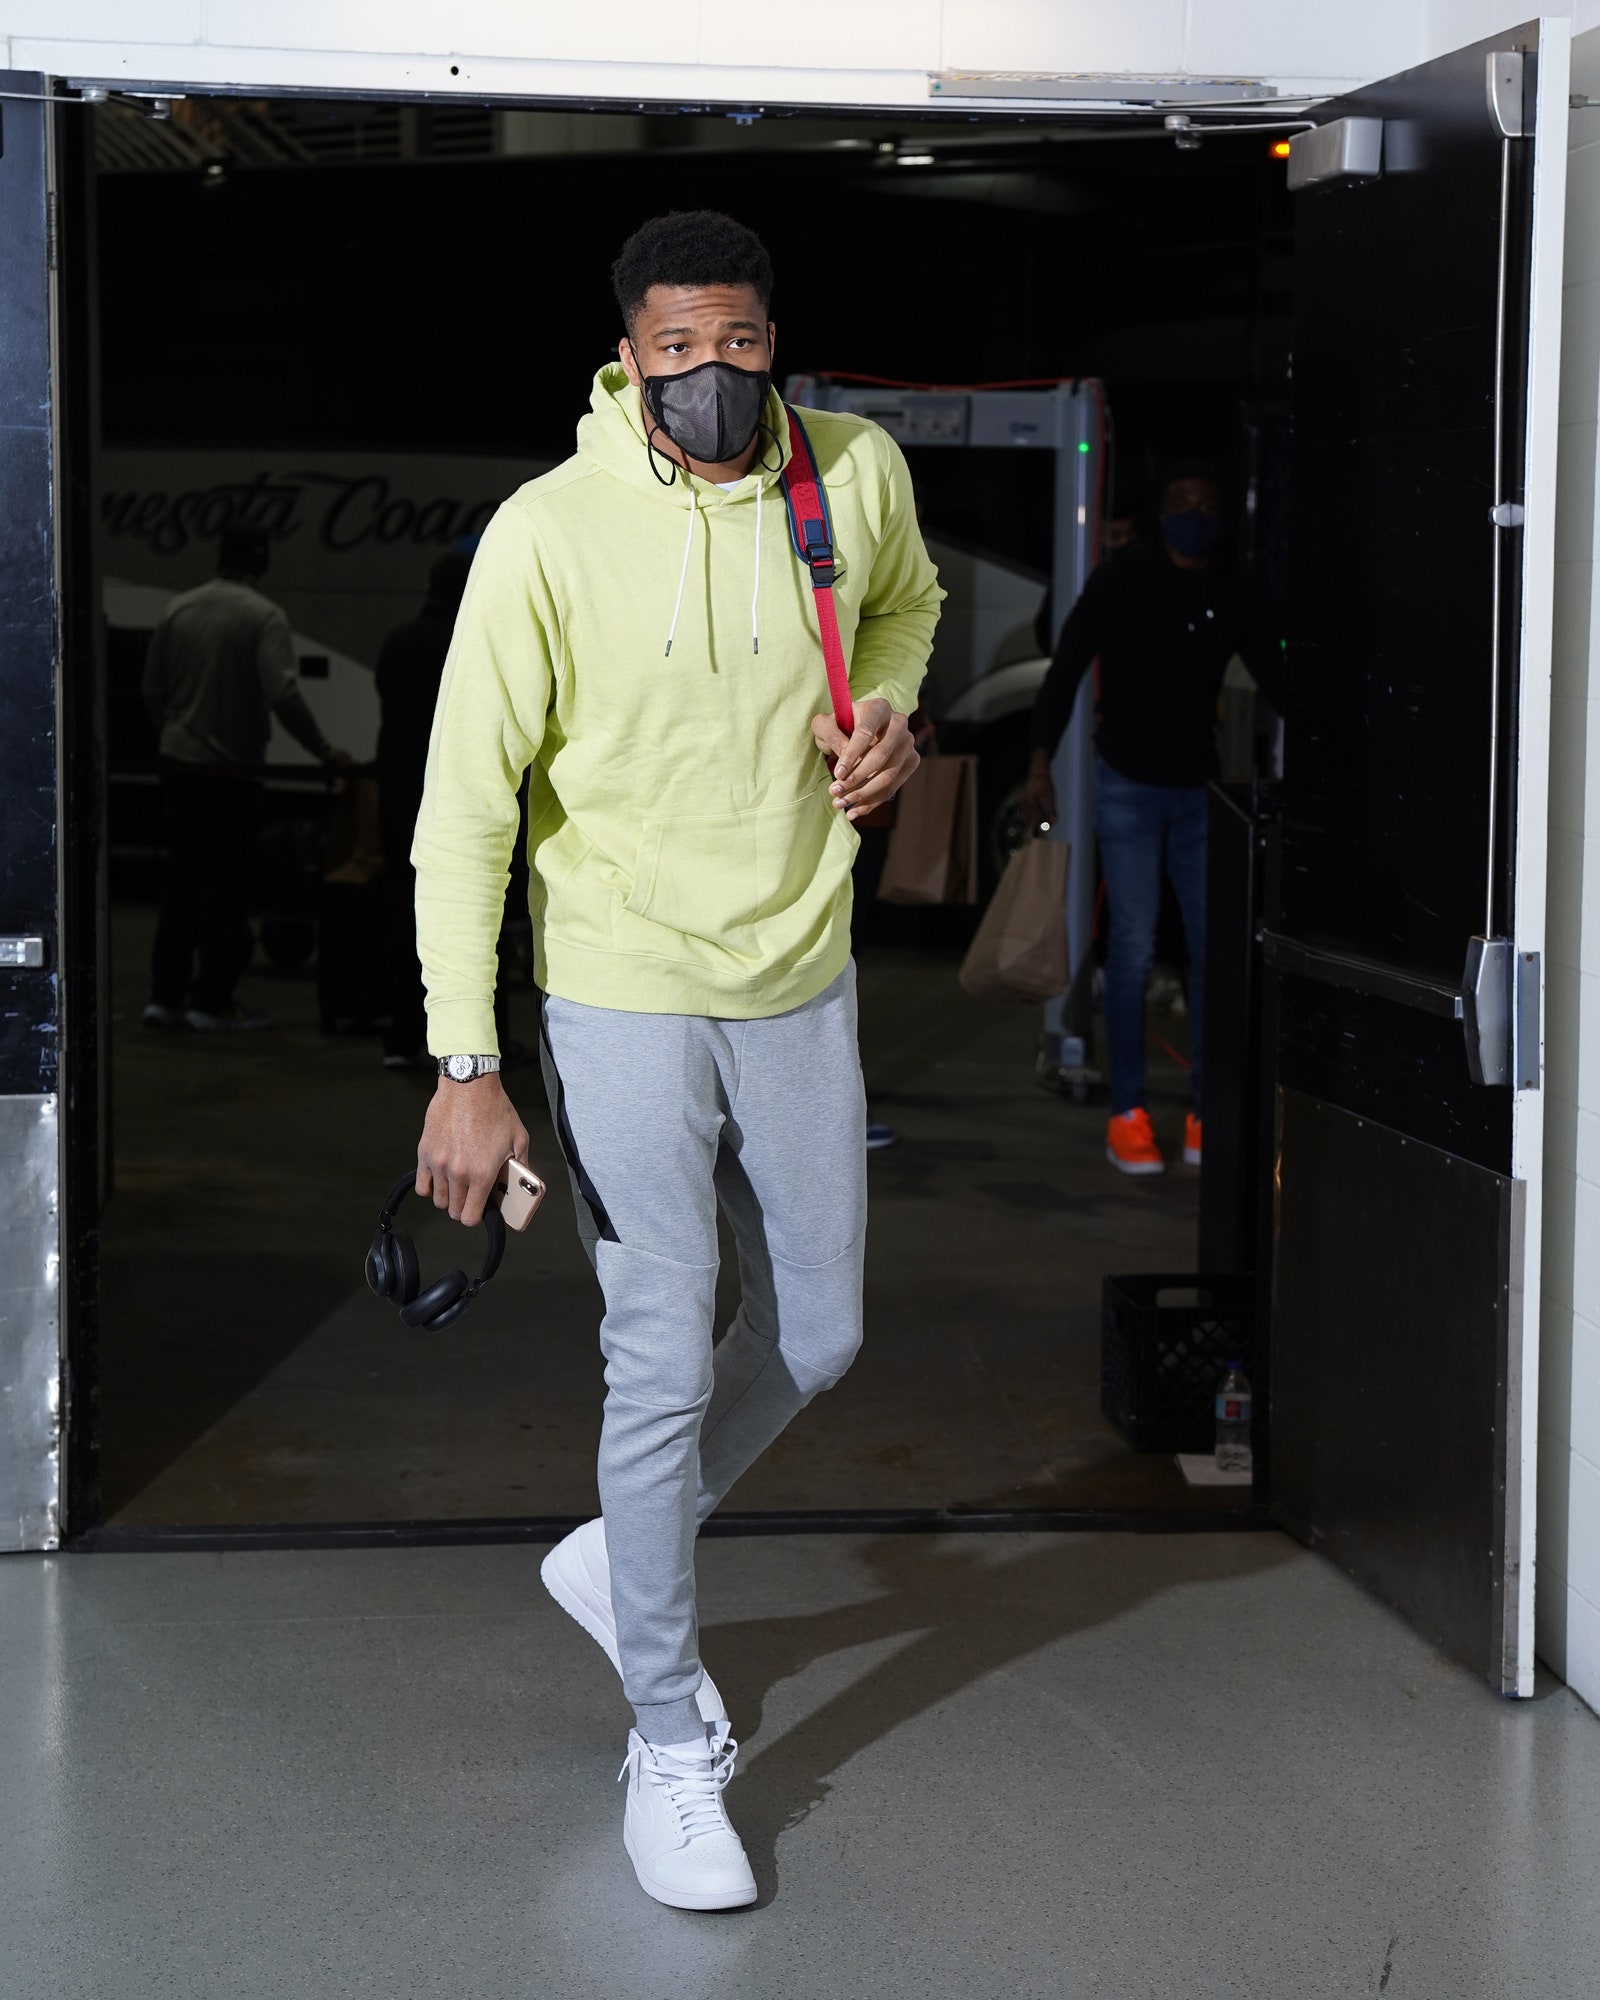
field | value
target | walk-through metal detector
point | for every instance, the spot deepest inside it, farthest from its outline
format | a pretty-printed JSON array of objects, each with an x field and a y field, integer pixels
[
  {"x": 1406, "y": 945},
  {"x": 1070, "y": 420}
]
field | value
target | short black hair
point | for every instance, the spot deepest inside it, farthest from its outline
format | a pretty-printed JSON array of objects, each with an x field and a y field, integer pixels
[
  {"x": 1191, "y": 466},
  {"x": 696, "y": 246},
  {"x": 243, "y": 549}
]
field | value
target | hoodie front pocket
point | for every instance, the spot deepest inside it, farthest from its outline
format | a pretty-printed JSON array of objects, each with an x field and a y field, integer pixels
[
  {"x": 743, "y": 880},
  {"x": 697, "y": 875}
]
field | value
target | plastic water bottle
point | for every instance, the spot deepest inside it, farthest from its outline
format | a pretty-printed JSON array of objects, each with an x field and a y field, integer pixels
[{"x": 1233, "y": 1420}]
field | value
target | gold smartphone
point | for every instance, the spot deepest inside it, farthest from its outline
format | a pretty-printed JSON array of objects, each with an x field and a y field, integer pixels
[{"x": 520, "y": 1194}]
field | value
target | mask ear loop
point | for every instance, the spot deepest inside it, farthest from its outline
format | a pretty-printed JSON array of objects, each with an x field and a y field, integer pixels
[
  {"x": 650, "y": 452},
  {"x": 652, "y": 455},
  {"x": 761, "y": 462}
]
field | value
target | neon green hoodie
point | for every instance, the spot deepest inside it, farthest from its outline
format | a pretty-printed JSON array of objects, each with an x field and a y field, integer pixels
[{"x": 684, "y": 855}]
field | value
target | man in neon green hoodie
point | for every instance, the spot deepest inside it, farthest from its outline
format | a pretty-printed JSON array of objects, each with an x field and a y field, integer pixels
[{"x": 639, "y": 630}]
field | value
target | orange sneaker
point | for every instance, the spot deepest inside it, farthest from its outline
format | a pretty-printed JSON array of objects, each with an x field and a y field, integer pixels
[
  {"x": 1191, "y": 1141},
  {"x": 1131, "y": 1145}
]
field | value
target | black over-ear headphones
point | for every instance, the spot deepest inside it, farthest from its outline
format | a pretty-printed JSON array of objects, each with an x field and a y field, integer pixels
[{"x": 392, "y": 1267}]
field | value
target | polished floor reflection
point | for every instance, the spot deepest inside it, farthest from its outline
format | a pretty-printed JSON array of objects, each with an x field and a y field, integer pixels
[{"x": 974, "y": 1767}]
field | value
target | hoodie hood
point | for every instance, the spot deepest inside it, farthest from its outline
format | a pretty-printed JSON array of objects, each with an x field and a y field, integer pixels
[{"x": 613, "y": 436}]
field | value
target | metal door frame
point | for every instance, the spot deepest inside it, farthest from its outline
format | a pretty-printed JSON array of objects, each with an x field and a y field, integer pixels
[
  {"x": 34, "y": 1021},
  {"x": 1532, "y": 820},
  {"x": 75, "y": 1417}
]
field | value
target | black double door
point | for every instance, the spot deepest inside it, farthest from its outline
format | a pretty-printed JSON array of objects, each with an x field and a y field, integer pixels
[{"x": 1403, "y": 948}]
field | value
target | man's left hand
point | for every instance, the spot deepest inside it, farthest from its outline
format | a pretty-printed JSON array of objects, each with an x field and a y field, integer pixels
[{"x": 873, "y": 763}]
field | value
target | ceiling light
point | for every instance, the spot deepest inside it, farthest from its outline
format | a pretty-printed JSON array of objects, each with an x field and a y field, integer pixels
[{"x": 913, "y": 159}]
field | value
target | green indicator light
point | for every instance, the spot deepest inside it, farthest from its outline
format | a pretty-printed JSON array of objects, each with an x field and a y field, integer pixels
[{"x": 1083, "y": 444}]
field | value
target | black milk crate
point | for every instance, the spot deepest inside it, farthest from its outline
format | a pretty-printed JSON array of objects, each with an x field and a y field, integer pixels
[{"x": 1162, "y": 1359}]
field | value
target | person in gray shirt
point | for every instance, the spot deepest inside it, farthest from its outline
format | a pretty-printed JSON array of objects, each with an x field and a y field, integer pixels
[{"x": 220, "y": 665}]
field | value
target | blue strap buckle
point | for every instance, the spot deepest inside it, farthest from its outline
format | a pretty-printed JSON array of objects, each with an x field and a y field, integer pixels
[{"x": 819, "y": 554}]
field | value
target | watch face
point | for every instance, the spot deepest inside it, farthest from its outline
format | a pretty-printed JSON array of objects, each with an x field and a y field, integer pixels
[{"x": 460, "y": 1069}]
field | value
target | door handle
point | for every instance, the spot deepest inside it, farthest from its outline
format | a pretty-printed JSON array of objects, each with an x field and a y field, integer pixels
[
  {"x": 1486, "y": 1012},
  {"x": 1500, "y": 987}
]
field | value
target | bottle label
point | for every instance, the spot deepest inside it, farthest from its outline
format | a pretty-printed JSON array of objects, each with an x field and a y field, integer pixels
[{"x": 1233, "y": 1409}]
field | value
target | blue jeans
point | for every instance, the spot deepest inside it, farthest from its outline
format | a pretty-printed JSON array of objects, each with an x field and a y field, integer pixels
[{"x": 1142, "y": 828}]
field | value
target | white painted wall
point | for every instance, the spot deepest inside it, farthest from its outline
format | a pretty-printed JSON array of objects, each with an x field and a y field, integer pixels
[
  {"x": 1568, "y": 1591},
  {"x": 827, "y": 52},
  {"x": 1451, "y": 24}
]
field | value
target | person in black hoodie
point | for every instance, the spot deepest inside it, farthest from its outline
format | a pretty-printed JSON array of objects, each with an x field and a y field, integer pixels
[
  {"x": 410, "y": 666},
  {"x": 1163, "y": 619}
]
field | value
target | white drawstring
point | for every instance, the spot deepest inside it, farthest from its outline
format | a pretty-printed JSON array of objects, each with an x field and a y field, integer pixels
[
  {"x": 683, "y": 574},
  {"x": 755, "y": 595}
]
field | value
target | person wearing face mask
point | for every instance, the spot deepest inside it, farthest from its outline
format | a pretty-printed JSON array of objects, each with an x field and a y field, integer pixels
[
  {"x": 1163, "y": 620},
  {"x": 640, "y": 636}
]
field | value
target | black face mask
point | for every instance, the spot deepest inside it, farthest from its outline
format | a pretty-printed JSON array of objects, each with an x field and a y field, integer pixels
[
  {"x": 711, "y": 412},
  {"x": 1191, "y": 531}
]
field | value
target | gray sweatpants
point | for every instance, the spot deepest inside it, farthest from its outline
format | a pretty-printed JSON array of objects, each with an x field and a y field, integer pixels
[{"x": 661, "y": 1117}]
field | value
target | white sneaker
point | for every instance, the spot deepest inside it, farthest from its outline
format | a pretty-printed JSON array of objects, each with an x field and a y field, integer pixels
[
  {"x": 675, "y": 1826},
  {"x": 577, "y": 1574}
]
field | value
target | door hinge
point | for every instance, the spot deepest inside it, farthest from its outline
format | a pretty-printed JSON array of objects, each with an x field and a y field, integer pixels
[{"x": 51, "y": 233}]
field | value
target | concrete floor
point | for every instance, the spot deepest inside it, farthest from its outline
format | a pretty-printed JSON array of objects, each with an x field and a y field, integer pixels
[
  {"x": 249, "y": 1377},
  {"x": 988, "y": 1767}
]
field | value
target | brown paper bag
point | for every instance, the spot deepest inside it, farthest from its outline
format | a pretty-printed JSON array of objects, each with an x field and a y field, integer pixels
[
  {"x": 1020, "y": 949},
  {"x": 352, "y": 851},
  {"x": 933, "y": 847}
]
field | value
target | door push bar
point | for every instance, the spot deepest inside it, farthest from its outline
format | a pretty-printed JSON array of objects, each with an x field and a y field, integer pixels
[{"x": 1496, "y": 1001}]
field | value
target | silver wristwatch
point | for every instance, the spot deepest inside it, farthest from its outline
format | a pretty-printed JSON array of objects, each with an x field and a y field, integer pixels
[{"x": 465, "y": 1069}]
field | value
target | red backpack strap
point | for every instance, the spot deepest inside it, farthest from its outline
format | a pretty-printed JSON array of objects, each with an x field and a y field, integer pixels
[{"x": 811, "y": 530}]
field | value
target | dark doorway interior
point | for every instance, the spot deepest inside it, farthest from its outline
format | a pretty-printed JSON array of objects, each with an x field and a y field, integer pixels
[{"x": 334, "y": 292}]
